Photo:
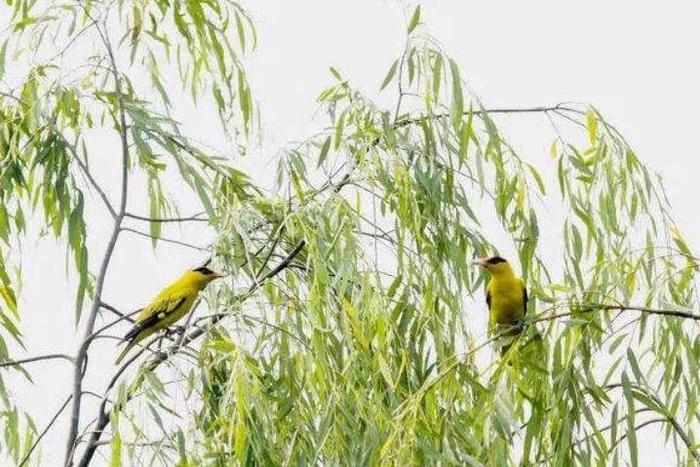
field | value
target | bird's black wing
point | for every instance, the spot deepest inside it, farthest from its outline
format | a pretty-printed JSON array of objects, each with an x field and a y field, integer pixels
[
  {"x": 488, "y": 299},
  {"x": 524, "y": 301},
  {"x": 158, "y": 315}
]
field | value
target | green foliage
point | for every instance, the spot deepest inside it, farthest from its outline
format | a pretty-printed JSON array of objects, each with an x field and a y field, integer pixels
[
  {"x": 367, "y": 353},
  {"x": 349, "y": 335}
]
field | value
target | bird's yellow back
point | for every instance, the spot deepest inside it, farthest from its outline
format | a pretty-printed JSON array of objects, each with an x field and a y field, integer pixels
[
  {"x": 187, "y": 287},
  {"x": 506, "y": 294}
]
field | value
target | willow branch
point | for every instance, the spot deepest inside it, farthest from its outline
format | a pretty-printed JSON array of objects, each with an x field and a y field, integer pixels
[
  {"x": 86, "y": 172},
  {"x": 81, "y": 355},
  {"x": 193, "y": 218},
  {"x": 652, "y": 311},
  {"x": 636, "y": 428},
  {"x": 114, "y": 310},
  {"x": 602, "y": 307},
  {"x": 692, "y": 447},
  {"x": 45, "y": 430},
  {"x": 164, "y": 239},
  {"x": 558, "y": 108},
  {"x": 54, "y": 356}
]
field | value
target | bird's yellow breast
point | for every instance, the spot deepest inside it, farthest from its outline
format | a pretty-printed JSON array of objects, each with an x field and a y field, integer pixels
[{"x": 507, "y": 300}]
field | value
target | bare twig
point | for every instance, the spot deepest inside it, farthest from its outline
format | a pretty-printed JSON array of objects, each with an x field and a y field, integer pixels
[
  {"x": 194, "y": 218},
  {"x": 81, "y": 355},
  {"x": 54, "y": 356},
  {"x": 558, "y": 108},
  {"x": 636, "y": 428},
  {"x": 692, "y": 447},
  {"x": 164, "y": 239},
  {"x": 602, "y": 307},
  {"x": 104, "y": 417},
  {"x": 109, "y": 307},
  {"x": 651, "y": 311},
  {"x": 83, "y": 167},
  {"x": 45, "y": 430}
]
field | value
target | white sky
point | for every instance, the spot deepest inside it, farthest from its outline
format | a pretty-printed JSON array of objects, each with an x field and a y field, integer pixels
[{"x": 636, "y": 61}]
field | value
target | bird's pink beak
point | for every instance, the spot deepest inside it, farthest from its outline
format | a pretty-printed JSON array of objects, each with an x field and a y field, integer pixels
[
  {"x": 218, "y": 275},
  {"x": 480, "y": 262}
]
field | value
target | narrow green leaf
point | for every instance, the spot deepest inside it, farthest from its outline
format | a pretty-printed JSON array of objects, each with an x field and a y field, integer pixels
[
  {"x": 631, "y": 429},
  {"x": 457, "y": 97},
  {"x": 538, "y": 178},
  {"x": 3, "y": 54},
  {"x": 592, "y": 124},
  {"x": 389, "y": 75},
  {"x": 324, "y": 152},
  {"x": 415, "y": 19},
  {"x": 116, "y": 444}
]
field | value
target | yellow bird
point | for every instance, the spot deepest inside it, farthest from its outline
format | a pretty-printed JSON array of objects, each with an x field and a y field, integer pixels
[
  {"x": 506, "y": 295},
  {"x": 171, "y": 304}
]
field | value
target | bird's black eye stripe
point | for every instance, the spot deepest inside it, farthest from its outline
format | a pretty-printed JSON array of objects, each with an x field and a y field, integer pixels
[
  {"x": 496, "y": 260},
  {"x": 204, "y": 270}
]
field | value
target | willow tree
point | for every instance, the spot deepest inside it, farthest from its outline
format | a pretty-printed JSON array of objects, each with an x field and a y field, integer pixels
[{"x": 346, "y": 332}]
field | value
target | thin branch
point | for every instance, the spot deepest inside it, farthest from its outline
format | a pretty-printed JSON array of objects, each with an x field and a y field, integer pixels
[
  {"x": 692, "y": 447},
  {"x": 271, "y": 252},
  {"x": 164, "y": 239},
  {"x": 651, "y": 311},
  {"x": 81, "y": 356},
  {"x": 53, "y": 356},
  {"x": 13, "y": 97},
  {"x": 45, "y": 430},
  {"x": 607, "y": 427},
  {"x": 513, "y": 110},
  {"x": 400, "y": 86},
  {"x": 636, "y": 428},
  {"x": 83, "y": 167},
  {"x": 684, "y": 436},
  {"x": 193, "y": 218},
  {"x": 122, "y": 317},
  {"x": 273, "y": 326},
  {"x": 109, "y": 307},
  {"x": 602, "y": 307},
  {"x": 141, "y": 444},
  {"x": 104, "y": 417}
]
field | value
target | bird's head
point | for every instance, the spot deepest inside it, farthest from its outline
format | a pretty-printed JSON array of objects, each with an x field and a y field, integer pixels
[
  {"x": 495, "y": 265},
  {"x": 202, "y": 276}
]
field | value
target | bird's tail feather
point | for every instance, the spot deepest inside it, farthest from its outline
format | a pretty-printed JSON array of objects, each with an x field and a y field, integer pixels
[
  {"x": 123, "y": 353},
  {"x": 133, "y": 332}
]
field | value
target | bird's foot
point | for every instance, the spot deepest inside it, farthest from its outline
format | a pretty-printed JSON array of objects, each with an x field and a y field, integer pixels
[
  {"x": 175, "y": 331},
  {"x": 520, "y": 324}
]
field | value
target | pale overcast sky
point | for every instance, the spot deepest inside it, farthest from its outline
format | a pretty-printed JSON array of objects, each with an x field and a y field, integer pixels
[{"x": 636, "y": 61}]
